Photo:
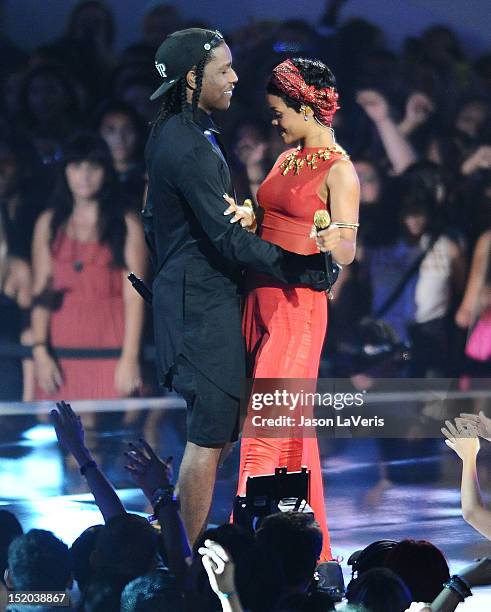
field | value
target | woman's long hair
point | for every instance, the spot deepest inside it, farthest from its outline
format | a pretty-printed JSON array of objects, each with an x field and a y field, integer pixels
[{"x": 111, "y": 222}]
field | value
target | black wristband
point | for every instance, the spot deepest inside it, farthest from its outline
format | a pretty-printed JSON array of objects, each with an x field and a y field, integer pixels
[
  {"x": 464, "y": 584},
  {"x": 459, "y": 587},
  {"x": 86, "y": 466}
]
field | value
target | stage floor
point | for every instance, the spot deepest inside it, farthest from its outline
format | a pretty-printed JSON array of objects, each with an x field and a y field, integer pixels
[{"x": 45, "y": 490}]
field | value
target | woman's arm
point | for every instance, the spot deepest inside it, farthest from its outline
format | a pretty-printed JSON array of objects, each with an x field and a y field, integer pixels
[
  {"x": 396, "y": 145},
  {"x": 220, "y": 569},
  {"x": 127, "y": 375},
  {"x": 467, "y": 310},
  {"x": 46, "y": 370},
  {"x": 19, "y": 286},
  {"x": 477, "y": 573},
  {"x": 344, "y": 196},
  {"x": 458, "y": 267},
  {"x": 70, "y": 434},
  {"x": 460, "y": 441}
]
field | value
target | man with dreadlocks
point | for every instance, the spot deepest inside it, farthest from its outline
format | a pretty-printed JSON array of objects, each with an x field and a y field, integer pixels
[{"x": 199, "y": 257}]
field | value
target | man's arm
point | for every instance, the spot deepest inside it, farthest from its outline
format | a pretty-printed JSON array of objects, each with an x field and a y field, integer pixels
[
  {"x": 202, "y": 185},
  {"x": 152, "y": 475}
]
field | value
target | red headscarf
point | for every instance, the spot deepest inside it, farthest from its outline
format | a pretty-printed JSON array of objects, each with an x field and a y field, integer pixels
[{"x": 288, "y": 79}]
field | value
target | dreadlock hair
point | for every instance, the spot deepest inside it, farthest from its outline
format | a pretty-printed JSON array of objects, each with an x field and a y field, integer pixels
[
  {"x": 200, "y": 71},
  {"x": 172, "y": 102}
]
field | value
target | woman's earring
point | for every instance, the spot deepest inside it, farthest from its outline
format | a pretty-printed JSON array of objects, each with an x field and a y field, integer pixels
[{"x": 307, "y": 111}]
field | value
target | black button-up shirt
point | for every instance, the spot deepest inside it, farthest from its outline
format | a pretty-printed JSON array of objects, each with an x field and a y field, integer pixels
[{"x": 199, "y": 256}]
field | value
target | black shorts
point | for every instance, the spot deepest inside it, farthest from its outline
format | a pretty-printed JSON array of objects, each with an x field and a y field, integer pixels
[{"x": 213, "y": 415}]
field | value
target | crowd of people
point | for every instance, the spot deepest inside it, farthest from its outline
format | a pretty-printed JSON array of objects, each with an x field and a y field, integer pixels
[
  {"x": 75, "y": 117},
  {"x": 134, "y": 564}
]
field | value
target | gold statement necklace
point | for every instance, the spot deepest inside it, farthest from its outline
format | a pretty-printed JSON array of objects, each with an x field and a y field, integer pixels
[{"x": 294, "y": 162}]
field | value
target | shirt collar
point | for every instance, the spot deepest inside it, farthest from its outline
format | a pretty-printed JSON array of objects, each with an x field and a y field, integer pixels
[{"x": 204, "y": 120}]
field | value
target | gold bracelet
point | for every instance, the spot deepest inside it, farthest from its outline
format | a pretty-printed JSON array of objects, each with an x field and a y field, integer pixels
[{"x": 348, "y": 225}]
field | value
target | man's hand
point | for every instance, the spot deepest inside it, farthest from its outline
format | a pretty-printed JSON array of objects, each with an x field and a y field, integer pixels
[
  {"x": 480, "y": 422},
  {"x": 219, "y": 567},
  {"x": 462, "y": 438},
  {"x": 69, "y": 431},
  {"x": 147, "y": 470}
]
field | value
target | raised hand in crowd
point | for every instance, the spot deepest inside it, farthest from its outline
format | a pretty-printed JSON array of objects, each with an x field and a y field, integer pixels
[
  {"x": 154, "y": 476},
  {"x": 147, "y": 470},
  {"x": 461, "y": 437},
  {"x": 419, "y": 107},
  {"x": 374, "y": 104},
  {"x": 480, "y": 422},
  {"x": 70, "y": 433},
  {"x": 397, "y": 148},
  {"x": 477, "y": 573},
  {"x": 479, "y": 160},
  {"x": 220, "y": 569}
]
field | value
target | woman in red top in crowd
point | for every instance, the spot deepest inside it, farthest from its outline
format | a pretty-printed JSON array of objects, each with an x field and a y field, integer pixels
[
  {"x": 285, "y": 327},
  {"x": 82, "y": 250}
]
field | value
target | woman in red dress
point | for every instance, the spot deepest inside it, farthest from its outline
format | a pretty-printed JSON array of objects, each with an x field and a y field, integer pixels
[
  {"x": 82, "y": 249},
  {"x": 285, "y": 327}
]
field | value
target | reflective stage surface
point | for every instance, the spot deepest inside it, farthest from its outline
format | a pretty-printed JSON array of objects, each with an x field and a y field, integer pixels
[{"x": 419, "y": 498}]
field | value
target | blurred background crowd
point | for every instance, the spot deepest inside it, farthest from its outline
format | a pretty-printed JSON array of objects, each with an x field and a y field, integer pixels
[{"x": 416, "y": 124}]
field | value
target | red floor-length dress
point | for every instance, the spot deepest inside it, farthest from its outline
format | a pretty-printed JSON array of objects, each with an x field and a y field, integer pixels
[
  {"x": 285, "y": 327},
  {"x": 91, "y": 315}
]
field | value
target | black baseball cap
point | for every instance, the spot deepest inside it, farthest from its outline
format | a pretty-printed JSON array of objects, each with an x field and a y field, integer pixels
[{"x": 181, "y": 51}]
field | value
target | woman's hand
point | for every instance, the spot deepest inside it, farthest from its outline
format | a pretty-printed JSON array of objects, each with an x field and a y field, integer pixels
[
  {"x": 46, "y": 370},
  {"x": 18, "y": 283},
  {"x": 328, "y": 239},
  {"x": 127, "y": 377},
  {"x": 462, "y": 438},
  {"x": 480, "y": 422},
  {"x": 69, "y": 431},
  {"x": 374, "y": 104},
  {"x": 463, "y": 317},
  {"x": 480, "y": 159},
  {"x": 219, "y": 567},
  {"x": 418, "y": 108},
  {"x": 244, "y": 214}
]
